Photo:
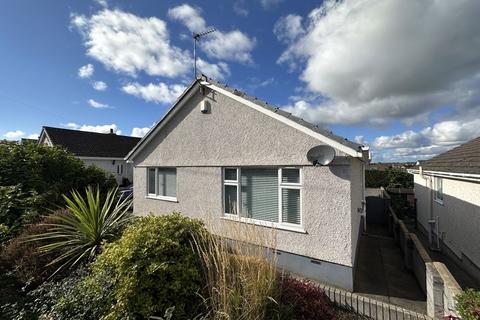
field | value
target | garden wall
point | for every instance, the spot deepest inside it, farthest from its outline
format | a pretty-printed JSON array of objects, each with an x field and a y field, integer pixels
[{"x": 434, "y": 278}]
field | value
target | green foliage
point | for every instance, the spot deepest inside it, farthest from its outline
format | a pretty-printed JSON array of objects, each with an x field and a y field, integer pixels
[
  {"x": 390, "y": 178},
  {"x": 47, "y": 301},
  {"x": 151, "y": 268},
  {"x": 17, "y": 208},
  {"x": 34, "y": 177},
  {"x": 468, "y": 304},
  {"x": 88, "y": 222},
  {"x": 29, "y": 264}
]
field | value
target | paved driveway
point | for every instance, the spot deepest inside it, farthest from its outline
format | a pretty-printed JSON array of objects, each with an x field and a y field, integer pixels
[{"x": 381, "y": 275}]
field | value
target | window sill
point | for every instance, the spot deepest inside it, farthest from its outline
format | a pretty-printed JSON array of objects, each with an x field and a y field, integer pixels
[
  {"x": 440, "y": 202},
  {"x": 169, "y": 199},
  {"x": 267, "y": 224}
]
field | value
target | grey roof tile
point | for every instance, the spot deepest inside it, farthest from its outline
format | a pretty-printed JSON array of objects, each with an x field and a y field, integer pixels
[
  {"x": 462, "y": 159},
  {"x": 91, "y": 144}
]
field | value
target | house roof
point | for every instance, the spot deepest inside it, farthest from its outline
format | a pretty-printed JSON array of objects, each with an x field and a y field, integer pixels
[
  {"x": 288, "y": 115},
  {"x": 354, "y": 148},
  {"x": 462, "y": 159},
  {"x": 91, "y": 144}
]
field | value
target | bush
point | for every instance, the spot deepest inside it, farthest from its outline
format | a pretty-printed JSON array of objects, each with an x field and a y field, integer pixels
[
  {"x": 303, "y": 300},
  {"x": 30, "y": 265},
  {"x": 34, "y": 177},
  {"x": 89, "y": 221},
  {"x": 151, "y": 268},
  {"x": 390, "y": 178},
  {"x": 468, "y": 305},
  {"x": 47, "y": 300}
]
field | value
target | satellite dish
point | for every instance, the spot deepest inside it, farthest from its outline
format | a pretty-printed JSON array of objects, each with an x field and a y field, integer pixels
[{"x": 321, "y": 155}]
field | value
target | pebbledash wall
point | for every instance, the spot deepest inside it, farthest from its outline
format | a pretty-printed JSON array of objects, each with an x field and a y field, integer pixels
[
  {"x": 232, "y": 134},
  {"x": 458, "y": 218}
]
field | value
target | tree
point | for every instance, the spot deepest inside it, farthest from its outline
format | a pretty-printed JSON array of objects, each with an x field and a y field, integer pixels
[{"x": 33, "y": 178}]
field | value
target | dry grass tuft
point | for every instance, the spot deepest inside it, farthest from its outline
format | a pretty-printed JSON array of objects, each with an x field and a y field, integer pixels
[{"x": 241, "y": 277}]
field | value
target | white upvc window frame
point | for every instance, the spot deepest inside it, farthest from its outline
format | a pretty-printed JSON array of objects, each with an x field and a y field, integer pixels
[
  {"x": 436, "y": 192},
  {"x": 279, "y": 224},
  {"x": 292, "y": 186},
  {"x": 235, "y": 183},
  {"x": 156, "y": 196}
]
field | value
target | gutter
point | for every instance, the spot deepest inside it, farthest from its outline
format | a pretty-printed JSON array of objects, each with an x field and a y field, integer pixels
[{"x": 452, "y": 175}]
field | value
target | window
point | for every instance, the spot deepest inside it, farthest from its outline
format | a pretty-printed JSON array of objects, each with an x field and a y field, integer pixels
[
  {"x": 264, "y": 194},
  {"x": 438, "y": 189},
  {"x": 162, "y": 183},
  {"x": 290, "y": 193},
  {"x": 231, "y": 190},
  {"x": 119, "y": 168}
]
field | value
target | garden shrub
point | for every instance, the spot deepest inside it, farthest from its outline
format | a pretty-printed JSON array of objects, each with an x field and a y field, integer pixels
[
  {"x": 47, "y": 301},
  {"x": 303, "y": 300},
  {"x": 390, "y": 178},
  {"x": 151, "y": 268},
  {"x": 30, "y": 265},
  {"x": 33, "y": 178},
  {"x": 468, "y": 305}
]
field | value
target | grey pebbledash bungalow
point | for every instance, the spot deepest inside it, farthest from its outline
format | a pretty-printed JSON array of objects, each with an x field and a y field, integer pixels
[{"x": 220, "y": 153}]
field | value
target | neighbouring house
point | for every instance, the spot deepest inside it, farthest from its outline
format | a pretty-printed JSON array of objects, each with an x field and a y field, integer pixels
[
  {"x": 104, "y": 150},
  {"x": 447, "y": 189},
  {"x": 221, "y": 155}
]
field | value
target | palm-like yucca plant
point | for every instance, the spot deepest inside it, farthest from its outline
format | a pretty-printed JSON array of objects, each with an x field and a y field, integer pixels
[{"x": 78, "y": 234}]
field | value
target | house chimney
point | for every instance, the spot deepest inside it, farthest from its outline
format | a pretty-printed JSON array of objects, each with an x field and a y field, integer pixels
[{"x": 111, "y": 131}]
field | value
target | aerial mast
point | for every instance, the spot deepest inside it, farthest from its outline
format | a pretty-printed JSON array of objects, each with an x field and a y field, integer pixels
[{"x": 196, "y": 37}]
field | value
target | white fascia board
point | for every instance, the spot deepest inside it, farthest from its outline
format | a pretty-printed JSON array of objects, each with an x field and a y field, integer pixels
[
  {"x": 100, "y": 158},
  {"x": 316, "y": 135},
  {"x": 153, "y": 132},
  {"x": 45, "y": 137},
  {"x": 452, "y": 175}
]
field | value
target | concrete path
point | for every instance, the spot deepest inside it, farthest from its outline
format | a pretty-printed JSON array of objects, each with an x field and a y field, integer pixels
[{"x": 381, "y": 274}]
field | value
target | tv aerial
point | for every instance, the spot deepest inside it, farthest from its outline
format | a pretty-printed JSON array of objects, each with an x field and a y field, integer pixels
[
  {"x": 196, "y": 37},
  {"x": 321, "y": 155}
]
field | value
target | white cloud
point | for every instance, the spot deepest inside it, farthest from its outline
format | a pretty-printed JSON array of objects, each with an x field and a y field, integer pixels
[
  {"x": 86, "y": 71},
  {"x": 288, "y": 28},
  {"x": 267, "y": 4},
  {"x": 427, "y": 142},
  {"x": 97, "y": 105},
  {"x": 102, "y": 3},
  {"x": 360, "y": 140},
  {"x": 377, "y": 61},
  {"x": 105, "y": 128},
  {"x": 239, "y": 8},
  {"x": 217, "y": 71},
  {"x": 129, "y": 44},
  {"x": 17, "y": 134},
  {"x": 99, "y": 85},
  {"x": 140, "y": 132},
  {"x": 14, "y": 135},
  {"x": 189, "y": 16},
  {"x": 158, "y": 93},
  {"x": 233, "y": 45}
]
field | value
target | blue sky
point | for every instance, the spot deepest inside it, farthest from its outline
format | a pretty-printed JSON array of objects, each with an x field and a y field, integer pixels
[{"x": 400, "y": 76}]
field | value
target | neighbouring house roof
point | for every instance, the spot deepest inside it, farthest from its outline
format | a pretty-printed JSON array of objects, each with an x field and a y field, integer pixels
[
  {"x": 462, "y": 159},
  {"x": 349, "y": 147},
  {"x": 90, "y": 144}
]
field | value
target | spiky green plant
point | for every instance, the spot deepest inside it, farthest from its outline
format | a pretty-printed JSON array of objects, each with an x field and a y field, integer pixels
[{"x": 78, "y": 235}]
